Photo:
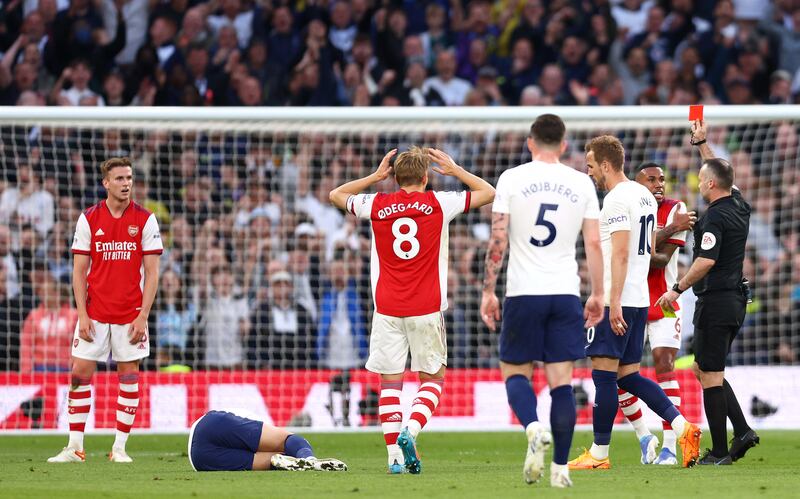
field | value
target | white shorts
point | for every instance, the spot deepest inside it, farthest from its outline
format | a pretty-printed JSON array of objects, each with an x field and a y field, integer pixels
[
  {"x": 665, "y": 332},
  {"x": 110, "y": 338},
  {"x": 393, "y": 337}
]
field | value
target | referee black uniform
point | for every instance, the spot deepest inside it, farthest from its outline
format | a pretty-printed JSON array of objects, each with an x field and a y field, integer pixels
[{"x": 721, "y": 235}]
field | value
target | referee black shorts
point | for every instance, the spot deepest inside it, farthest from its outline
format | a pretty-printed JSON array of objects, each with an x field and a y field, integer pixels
[{"x": 717, "y": 320}]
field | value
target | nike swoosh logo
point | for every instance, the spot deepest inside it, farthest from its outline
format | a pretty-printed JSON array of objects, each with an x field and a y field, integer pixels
[{"x": 597, "y": 465}]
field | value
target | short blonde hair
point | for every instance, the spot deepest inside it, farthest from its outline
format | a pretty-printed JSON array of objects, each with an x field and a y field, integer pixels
[
  {"x": 111, "y": 163},
  {"x": 411, "y": 166}
]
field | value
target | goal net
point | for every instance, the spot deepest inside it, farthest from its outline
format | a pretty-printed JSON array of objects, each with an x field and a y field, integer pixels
[{"x": 264, "y": 302}]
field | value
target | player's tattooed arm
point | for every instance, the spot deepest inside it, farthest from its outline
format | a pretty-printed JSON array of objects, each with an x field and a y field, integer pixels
[{"x": 498, "y": 242}]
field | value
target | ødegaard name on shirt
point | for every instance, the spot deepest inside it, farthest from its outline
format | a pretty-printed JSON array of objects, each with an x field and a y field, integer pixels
[
  {"x": 423, "y": 208},
  {"x": 115, "y": 250}
]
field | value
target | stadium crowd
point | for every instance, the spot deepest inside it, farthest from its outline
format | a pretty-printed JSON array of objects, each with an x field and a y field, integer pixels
[
  {"x": 389, "y": 53},
  {"x": 261, "y": 271}
]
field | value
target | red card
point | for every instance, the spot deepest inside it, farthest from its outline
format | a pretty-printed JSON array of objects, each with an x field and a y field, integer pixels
[{"x": 695, "y": 113}]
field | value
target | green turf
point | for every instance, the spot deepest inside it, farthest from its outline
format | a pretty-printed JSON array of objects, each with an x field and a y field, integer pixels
[{"x": 456, "y": 465}]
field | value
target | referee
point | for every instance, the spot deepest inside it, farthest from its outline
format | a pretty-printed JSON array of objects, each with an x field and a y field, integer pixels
[{"x": 716, "y": 278}]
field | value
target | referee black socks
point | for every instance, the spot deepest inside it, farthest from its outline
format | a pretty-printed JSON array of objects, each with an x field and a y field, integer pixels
[
  {"x": 735, "y": 414},
  {"x": 715, "y": 402}
]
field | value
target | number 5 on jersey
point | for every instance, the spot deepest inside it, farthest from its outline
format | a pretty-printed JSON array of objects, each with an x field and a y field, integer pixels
[
  {"x": 551, "y": 229},
  {"x": 405, "y": 245}
]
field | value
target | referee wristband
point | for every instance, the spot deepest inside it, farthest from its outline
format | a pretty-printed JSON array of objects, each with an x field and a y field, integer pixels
[
  {"x": 699, "y": 142},
  {"x": 677, "y": 288}
]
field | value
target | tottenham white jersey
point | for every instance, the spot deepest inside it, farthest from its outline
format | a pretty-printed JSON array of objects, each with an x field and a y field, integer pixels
[
  {"x": 629, "y": 206},
  {"x": 547, "y": 204}
]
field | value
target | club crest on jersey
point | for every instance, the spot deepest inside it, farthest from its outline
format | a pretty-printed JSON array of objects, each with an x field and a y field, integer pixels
[
  {"x": 75, "y": 343},
  {"x": 133, "y": 230}
]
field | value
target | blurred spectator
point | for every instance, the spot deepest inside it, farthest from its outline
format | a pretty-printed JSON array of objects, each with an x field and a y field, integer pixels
[
  {"x": 283, "y": 41},
  {"x": 10, "y": 272},
  {"x": 343, "y": 31},
  {"x": 416, "y": 93},
  {"x": 436, "y": 38},
  {"x": 780, "y": 88},
  {"x": 78, "y": 74},
  {"x": 233, "y": 14},
  {"x": 452, "y": 89},
  {"x": 46, "y": 341},
  {"x": 11, "y": 87},
  {"x": 522, "y": 71},
  {"x": 75, "y": 34},
  {"x": 114, "y": 91},
  {"x": 55, "y": 252},
  {"x": 11, "y": 313},
  {"x": 342, "y": 335},
  {"x": 632, "y": 70},
  {"x": 28, "y": 202},
  {"x": 174, "y": 320},
  {"x": 391, "y": 30},
  {"x": 224, "y": 323},
  {"x": 283, "y": 330}
]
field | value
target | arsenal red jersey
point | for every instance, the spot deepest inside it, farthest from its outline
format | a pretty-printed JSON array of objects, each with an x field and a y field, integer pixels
[
  {"x": 660, "y": 280},
  {"x": 410, "y": 238},
  {"x": 117, "y": 247}
]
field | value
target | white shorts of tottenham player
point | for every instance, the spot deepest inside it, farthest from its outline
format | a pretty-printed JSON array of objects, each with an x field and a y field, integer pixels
[
  {"x": 111, "y": 338},
  {"x": 665, "y": 332},
  {"x": 393, "y": 337}
]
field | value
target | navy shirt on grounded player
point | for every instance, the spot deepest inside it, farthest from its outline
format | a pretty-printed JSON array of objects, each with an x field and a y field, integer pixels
[{"x": 223, "y": 441}]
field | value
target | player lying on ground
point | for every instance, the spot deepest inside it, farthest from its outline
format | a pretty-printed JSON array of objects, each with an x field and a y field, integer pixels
[
  {"x": 223, "y": 441},
  {"x": 627, "y": 235},
  {"x": 663, "y": 329},
  {"x": 409, "y": 283}
]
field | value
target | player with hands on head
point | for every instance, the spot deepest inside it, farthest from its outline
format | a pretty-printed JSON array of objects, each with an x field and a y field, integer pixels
[
  {"x": 410, "y": 243},
  {"x": 542, "y": 315},
  {"x": 627, "y": 235},
  {"x": 116, "y": 249},
  {"x": 720, "y": 239}
]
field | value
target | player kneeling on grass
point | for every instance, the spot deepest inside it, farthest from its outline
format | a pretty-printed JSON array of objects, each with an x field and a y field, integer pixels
[{"x": 223, "y": 441}]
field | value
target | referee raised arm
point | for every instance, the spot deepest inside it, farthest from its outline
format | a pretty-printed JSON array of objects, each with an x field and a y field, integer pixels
[{"x": 720, "y": 237}]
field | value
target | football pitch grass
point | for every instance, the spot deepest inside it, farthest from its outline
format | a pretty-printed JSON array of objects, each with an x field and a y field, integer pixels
[{"x": 455, "y": 465}]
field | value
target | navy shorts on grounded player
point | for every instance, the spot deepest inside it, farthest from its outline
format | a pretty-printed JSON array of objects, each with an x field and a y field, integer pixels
[
  {"x": 222, "y": 441},
  {"x": 602, "y": 342},
  {"x": 548, "y": 328}
]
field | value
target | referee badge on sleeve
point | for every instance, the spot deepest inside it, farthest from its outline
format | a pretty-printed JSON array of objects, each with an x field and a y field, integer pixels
[{"x": 708, "y": 241}]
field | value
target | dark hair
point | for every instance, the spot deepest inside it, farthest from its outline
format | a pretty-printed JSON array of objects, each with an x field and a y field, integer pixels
[
  {"x": 645, "y": 166},
  {"x": 722, "y": 171},
  {"x": 607, "y": 148},
  {"x": 548, "y": 130}
]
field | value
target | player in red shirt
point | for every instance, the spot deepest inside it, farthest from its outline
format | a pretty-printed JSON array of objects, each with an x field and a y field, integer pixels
[
  {"x": 115, "y": 277},
  {"x": 663, "y": 327},
  {"x": 409, "y": 283}
]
